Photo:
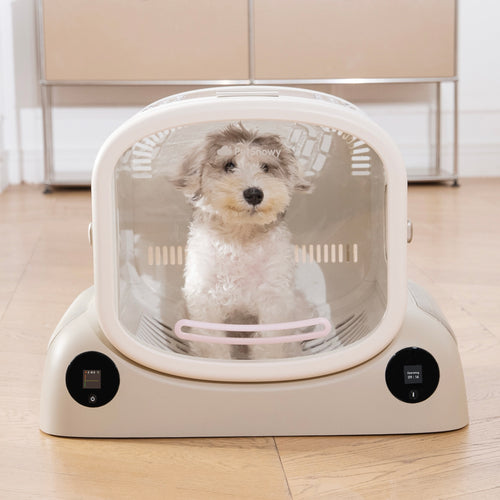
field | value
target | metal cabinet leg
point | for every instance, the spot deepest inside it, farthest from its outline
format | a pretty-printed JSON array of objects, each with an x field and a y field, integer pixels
[
  {"x": 439, "y": 112},
  {"x": 438, "y": 130},
  {"x": 455, "y": 133},
  {"x": 48, "y": 150}
]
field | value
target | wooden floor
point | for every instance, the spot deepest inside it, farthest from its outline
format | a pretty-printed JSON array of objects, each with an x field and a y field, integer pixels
[{"x": 45, "y": 261}]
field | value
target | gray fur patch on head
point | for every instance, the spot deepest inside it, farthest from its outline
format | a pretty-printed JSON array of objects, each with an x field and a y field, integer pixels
[
  {"x": 229, "y": 141},
  {"x": 221, "y": 146}
]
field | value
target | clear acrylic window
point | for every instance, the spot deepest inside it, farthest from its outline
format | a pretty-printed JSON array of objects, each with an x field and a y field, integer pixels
[{"x": 334, "y": 219}]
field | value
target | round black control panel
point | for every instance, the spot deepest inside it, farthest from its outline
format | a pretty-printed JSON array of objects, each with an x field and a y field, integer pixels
[
  {"x": 412, "y": 375},
  {"x": 92, "y": 379}
]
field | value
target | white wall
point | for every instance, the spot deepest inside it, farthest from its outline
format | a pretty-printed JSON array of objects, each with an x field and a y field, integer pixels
[
  {"x": 8, "y": 123},
  {"x": 85, "y": 116}
]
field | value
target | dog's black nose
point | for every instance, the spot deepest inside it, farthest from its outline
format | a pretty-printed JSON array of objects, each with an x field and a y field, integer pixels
[{"x": 253, "y": 195}]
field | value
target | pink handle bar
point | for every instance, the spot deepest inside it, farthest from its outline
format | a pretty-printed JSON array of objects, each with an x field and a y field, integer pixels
[{"x": 327, "y": 327}]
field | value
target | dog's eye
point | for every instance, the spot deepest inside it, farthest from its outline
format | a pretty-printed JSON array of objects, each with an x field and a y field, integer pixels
[
  {"x": 265, "y": 167},
  {"x": 229, "y": 166}
]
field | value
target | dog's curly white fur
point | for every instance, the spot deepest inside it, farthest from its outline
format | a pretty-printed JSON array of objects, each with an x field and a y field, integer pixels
[{"x": 240, "y": 264}]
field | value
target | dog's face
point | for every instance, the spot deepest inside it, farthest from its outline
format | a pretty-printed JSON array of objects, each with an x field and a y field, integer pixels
[{"x": 241, "y": 176}]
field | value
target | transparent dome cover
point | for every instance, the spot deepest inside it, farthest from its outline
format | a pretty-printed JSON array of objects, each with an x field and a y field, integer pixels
[{"x": 250, "y": 235}]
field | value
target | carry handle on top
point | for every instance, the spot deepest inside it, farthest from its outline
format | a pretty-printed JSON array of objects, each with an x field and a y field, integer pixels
[{"x": 317, "y": 334}]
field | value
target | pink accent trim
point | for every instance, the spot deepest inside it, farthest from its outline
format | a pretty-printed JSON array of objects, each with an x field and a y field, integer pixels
[{"x": 327, "y": 327}]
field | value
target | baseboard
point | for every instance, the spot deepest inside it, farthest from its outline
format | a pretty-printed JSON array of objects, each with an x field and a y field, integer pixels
[
  {"x": 479, "y": 160},
  {"x": 474, "y": 160},
  {"x": 71, "y": 166},
  {"x": 79, "y": 133},
  {"x": 74, "y": 166}
]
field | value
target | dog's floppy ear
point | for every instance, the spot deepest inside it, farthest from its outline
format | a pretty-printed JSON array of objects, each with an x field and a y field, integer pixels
[
  {"x": 296, "y": 170},
  {"x": 187, "y": 176},
  {"x": 301, "y": 183}
]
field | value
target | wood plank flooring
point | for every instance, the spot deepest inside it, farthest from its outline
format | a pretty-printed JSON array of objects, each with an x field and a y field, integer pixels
[{"x": 45, "y": 261}]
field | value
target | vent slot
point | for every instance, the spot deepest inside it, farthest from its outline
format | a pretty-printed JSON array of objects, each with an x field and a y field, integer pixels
[
  {"x": 340, "y": 253},
  {"x": 311, "y": 146},
  {"x": 166, "y": 255},
  {"x": 143, "y": 154},
  {"x": 361, "y": 161}
]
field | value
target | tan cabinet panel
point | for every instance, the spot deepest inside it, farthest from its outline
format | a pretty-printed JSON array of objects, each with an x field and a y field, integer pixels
[
  {"x": 145, "y": 40},
  {"x": 307, "y": 39}
]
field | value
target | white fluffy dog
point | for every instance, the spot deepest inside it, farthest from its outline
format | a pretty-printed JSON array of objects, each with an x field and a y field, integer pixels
[{"x": 240, "y": 262}]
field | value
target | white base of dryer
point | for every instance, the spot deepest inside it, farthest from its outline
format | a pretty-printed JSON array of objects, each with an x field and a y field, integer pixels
[{"x": 355, "y": 401}]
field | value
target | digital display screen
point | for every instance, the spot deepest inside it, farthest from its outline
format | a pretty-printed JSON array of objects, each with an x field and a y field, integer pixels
[
  {"x": 91, "y": 379},
  {"x": 413, "y": 374}
]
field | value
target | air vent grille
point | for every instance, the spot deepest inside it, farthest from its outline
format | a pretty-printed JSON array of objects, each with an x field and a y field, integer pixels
[
  {"x": 335, "y": 253},
  {"x": 143, "y": 154}
]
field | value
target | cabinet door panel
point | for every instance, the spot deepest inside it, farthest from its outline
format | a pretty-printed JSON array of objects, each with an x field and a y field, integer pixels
[
  {"x": 145, "y": 40},
  {"x": 354, "y": 38}
]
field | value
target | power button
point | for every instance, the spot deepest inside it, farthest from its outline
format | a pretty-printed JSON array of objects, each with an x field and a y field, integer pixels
[
  {"x": 92, "y": 399},
  {"x": 413, "y": 394}
]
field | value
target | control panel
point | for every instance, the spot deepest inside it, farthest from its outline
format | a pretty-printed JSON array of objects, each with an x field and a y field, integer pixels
[
  {"x": 412, "y": 375},
  {"x": 92, "y": 379}
]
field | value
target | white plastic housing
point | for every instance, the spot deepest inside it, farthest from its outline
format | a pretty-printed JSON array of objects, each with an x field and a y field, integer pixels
[{"x": 351, "y": 262}]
